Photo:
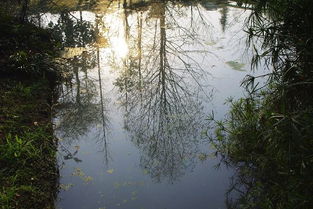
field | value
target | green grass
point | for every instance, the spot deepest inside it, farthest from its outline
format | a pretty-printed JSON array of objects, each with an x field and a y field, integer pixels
[{"x": 27, "y": 162}]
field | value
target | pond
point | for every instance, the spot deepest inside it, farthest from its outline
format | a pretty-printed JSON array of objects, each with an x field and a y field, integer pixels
[{"x": 141, "y": 78}]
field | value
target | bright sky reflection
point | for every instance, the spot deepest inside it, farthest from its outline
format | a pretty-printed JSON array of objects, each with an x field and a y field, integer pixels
[
  {"x": 116, "y": 34},
  {"x": 119, "y": 47}
]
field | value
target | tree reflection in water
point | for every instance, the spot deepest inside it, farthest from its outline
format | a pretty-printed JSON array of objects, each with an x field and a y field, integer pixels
[
  {"x": 159, "y": 81},
  {"x": 80, "y": 107},
  {"x": 160, "y": 87}
]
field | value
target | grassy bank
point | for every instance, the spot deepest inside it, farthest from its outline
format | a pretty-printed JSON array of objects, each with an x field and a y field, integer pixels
[
  {"x": 28, "y": 170},
  {"x": 28, "y": 165}
]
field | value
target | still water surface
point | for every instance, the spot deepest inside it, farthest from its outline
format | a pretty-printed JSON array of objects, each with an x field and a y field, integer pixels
[{"x": 131, "y": 118}]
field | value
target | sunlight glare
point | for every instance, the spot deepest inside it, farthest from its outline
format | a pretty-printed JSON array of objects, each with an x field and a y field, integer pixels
[{"x": 119, "y": 47}]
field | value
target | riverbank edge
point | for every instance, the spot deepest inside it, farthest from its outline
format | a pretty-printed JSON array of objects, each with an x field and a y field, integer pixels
[{"x": 28, "y": 164}]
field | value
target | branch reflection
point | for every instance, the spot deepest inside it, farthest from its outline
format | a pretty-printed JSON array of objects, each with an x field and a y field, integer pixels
[
  {"x": 81, "y": 104},
  {"x": 161, "y": 90}
]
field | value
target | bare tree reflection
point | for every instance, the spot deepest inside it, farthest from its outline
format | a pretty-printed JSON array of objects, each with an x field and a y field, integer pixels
[{"x": 161, "y": 87}]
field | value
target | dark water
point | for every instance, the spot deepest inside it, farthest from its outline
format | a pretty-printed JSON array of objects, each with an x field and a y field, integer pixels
[{"x": 131, "y": 117}]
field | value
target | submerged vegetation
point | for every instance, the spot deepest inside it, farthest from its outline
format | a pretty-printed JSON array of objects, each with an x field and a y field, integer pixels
[
  {"x": 268, "y": 134},
  {"x": 28, "y": 73}
]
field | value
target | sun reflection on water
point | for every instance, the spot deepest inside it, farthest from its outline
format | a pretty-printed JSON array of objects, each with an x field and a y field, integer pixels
[{"x": 119, "y": 47}]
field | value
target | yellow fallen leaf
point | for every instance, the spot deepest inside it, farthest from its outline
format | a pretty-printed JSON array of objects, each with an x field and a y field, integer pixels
[
  {"x": 110, "y": 171},
  {"x": 87, "y": 178},
  {"x": 66, "y": 187},
  {"x": 78, "y": 172}
]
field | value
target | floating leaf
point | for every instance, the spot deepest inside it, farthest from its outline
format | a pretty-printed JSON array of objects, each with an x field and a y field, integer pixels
[
  {"x": 145, "y": 171},
  {"x": 78, "y": 172},
  {"x": 210, "y": 43},
  {"x": 110, "y": 171},
  {"x": 66, "y": 187},
  {"x": 87, "y": 178},
  {"x": 202, "y": 156},
  {"x": 236, "y": 65},
  {"x": 117, "y": 185}
]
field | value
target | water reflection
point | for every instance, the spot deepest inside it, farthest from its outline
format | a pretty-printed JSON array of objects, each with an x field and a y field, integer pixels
[
  {"x": 78, "y": 109},
  {"x": 157, "y": 82},
  {"x": 73, "y": 31},
  {"x": 81, "y": 105},
  {"x": 137, "y": 71}
]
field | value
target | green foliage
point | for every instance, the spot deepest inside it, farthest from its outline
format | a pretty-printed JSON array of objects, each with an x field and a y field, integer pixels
[
  {"x": 268, "y": 134},
  {"x": 17, "y": 149},
  {"x": 272, "y": 149}
]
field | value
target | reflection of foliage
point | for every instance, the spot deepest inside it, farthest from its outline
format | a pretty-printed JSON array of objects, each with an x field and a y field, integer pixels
[
  {"x": 268, "y": 135},
  {"x": 57, "y": 6},
  {"x": 213, "y": 4},
  {"x": 79, "y": 111},
  {"x": 73, "y": 31}
]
